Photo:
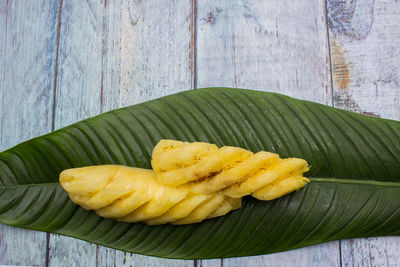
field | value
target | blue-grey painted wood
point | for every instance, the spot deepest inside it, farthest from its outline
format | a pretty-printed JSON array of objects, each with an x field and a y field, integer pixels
[
  {"x": 320, "y": 255},
  {"x": 365, "y": 45},
  {"x": 111, "y": 257},
  {"x": 275, "y": 46},
  {"x": 365, "y": 50},
  {"x": 279, "y": 46},
  {"x": 147, "y": 51},
  {"x": 27, "y": 52}
]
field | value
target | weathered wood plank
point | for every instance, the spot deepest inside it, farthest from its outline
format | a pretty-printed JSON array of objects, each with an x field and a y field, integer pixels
[
  {"x": 3, "y": 44},
  {"x": 267, "y": 45},
  {"x": 27, "y": 49},
  {"x": 214, "y": 262},
  {"x": 146, "y": 51},
  {"x": 78, "y": 91},
  {"x": 110, "y": 257},
  {"x": 376, "y": 251},
  {"x": 365, "y": 47},
  {"x": 274, "y": 46},
  {"x": 78, "y": 95},
  {"x": 319, "y": 256},
  {"x": 146, "y": 54}
]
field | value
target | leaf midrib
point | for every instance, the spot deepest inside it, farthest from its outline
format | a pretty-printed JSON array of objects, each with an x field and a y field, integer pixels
[
  {"x": 354, "y": 181},
  {"x": 312, "y": 179}
]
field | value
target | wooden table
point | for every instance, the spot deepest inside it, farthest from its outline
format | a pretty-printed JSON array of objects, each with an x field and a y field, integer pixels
[{"x": 63, "y": 61}]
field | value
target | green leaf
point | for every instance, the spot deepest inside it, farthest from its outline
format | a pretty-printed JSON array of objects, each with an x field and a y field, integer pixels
[{"x": 355, "y": 174}]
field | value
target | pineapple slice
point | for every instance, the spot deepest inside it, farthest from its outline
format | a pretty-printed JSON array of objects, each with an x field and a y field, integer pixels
[
  {"x": 163, "y": 200},
  {"x": 226, "y": 206},
  {"x": 280, "y": 188},
  {"x": 184, "y": 154},
  {"x": 202, "y": 211},
  {"x": 236, "y": 171},
  {"x": 87, "y": 180},
  {"x": 134, "y": 195},
  {"x": 80, "y": 200},
  {"x": 208, "y": 165},
  {"x": 191, "y": 182},
  {"x": 99, "y": 186},
  {"x": 180, "y": 210},
  {"x": 124, "y": 206},
  {"x": 280, "y": 169}
]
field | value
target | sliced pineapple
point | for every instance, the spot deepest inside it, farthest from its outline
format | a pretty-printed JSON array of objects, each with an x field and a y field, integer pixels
[
  {"x": 99, "y": 186},
  {"x": 226, "y": 206},
  {"x": 236, "y": 171},
  {"x": 124, "y": 206},
  {"x": 208, "y": 165},
  {"x": 202, "y": 211},
  {"x": 80, "y": 200},
  {"x": 264, "y": 176},
  {"x": 87, "y": 180},
  {"x": 163, "y": 200},
  {"x": 191, "y": 182},
  {"x": 180, "y": 210},
  {"x": 280, "y": 188},
  {"x": 183, "y": 153},
  {"x": 134, "y": 195}
]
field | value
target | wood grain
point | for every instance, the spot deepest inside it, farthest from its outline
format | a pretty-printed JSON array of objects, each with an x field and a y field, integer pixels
[
  {"x": 3, "y": 45},
  {"x": 275, "y": 45},
  {"x": 110, "y": 257},
  {"x": 27, "y": 49},
  {"x": 319, "y": 255},
  {"x": 377, "y": 251},
  {"x": 365, "y": 51},
  {"x": 271, "y": 46},
  {"x": 365, "y": 46},
  {"x": 146, "y": 51}
]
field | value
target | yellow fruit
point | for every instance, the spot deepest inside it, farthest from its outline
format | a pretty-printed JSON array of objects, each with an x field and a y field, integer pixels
[
  {"x": 204, "y": 210},
  {"x": 207, "y": 165},
  {"x": 226, "y": 206},
  {"x": 123, "y": 207},
  {"x": 163, "y": 200},
  {"x": 236, "y": 171},
  {"x": 184, "y": 154},
  {"x": 280, "y": 169},
  {"x": 180, "y": 210},
  {"x": 281, "y": 188},
  {"x": 235, "y": 174},
  {"x": 191, "y": 182},
  {"x": 87, "y": 180},
  {"x": 134, "y": 195}
]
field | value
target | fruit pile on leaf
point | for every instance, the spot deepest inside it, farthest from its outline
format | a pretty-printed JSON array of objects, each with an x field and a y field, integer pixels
[
  {"x": 354, "y": 189},
  {"x": 190, "y": 182}
]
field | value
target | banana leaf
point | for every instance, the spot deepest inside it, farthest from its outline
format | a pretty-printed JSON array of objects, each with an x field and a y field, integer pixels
[{"x": 354, "y": 190}]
